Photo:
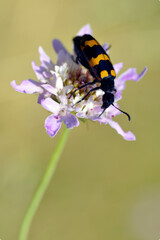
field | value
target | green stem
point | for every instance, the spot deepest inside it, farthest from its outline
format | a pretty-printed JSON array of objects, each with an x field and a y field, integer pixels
[{"x": 42, "y": 187}]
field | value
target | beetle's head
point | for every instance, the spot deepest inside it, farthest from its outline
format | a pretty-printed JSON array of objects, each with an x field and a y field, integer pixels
[{"x": 108, "y": 99}]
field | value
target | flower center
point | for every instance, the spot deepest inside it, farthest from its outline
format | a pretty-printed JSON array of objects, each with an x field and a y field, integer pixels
[{"x": 79, "y": 78}]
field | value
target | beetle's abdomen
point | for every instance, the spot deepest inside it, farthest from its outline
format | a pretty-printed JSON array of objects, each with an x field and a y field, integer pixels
[{"x": 97, "y": 58}]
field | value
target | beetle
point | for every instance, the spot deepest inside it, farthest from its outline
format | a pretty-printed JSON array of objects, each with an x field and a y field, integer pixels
[{"x": 92, "y": 56}]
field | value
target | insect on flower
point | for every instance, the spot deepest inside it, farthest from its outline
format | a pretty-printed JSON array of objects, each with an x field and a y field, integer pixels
[
  {"x": 93, "y": 57},
  {"x": 58, "y": 84}
]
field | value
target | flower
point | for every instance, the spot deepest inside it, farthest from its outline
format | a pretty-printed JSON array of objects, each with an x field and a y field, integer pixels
[{"x": 57, "y": 81}]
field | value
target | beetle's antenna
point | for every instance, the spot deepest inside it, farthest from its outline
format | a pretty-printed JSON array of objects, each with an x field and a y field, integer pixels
[
  {"x": 102, "y": 112},
  {"x": 129, "y": 118}
]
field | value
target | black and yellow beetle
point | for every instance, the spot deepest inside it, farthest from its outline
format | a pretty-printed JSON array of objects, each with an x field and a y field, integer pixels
[{"x": 93, "y": 57}]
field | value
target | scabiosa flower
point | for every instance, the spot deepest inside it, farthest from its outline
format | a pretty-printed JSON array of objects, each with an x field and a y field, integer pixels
[{"x": 58, "y": 81}]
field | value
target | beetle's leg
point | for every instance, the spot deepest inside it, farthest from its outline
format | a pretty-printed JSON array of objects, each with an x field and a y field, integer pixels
[
  {"x": 75, "y": 59},
  {"x": 92, "y": 90},
  {"x": 90, "y": 83}
]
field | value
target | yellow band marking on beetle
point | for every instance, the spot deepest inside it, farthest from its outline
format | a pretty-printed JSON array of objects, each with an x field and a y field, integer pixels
[
  {"x": 113, "y": 73},
  {"x": 104, "y": 74},
  {"x": 95, "y": 61},
  {"x": 91, "y": 43}
]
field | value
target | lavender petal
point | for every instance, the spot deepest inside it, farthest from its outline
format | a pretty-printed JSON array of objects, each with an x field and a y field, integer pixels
[
  {"x": 38, "y": 71},
  {"x": 49, "y": 88},
  {"x": 27, "y": 86},
  {"x": 58, "y": 46},
  {"x": 106, "y": 47},
  {"x": 117, "y": 67},
  {"x": 52, "y": 125},
  {"x": 85, "y": 30},
  {"x": 70, "y": 120},
  {"x": 45, "y": 60},
  {"x": 130, "y": 74},
  {"x": 126, "y": 135},
  {"x": 51, "y": 105}
]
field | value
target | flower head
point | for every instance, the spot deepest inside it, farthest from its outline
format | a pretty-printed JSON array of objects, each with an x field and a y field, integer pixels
[{"x": 56, "y": 82}]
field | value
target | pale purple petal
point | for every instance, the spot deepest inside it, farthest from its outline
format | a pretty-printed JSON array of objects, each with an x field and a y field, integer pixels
[
  {"x": 67, "y": 89},
  {"x": 42, "y": 73},
  {"x": 130, "y": 74},
  {"x": 49, "y": 88},
  {"x": 85, "y": 30},
  {"x": 52, "y": 125},
  {"x": 117, "y": 67},
  {"x": 63, "y": 99},
  {"x": 118, "y": 96},
  {"x": 142, "y": 74},
  {"x": 70, "y": 120},
  {"x": 63, "y": 57},
  {"x": 27, "y": 86},
  {"x": 110, "y": 112},
  {"x": 41, "y": 97},
  {"x": 58, "y": 46},
  {"x": 38, "y": 71},
  {"x": 53, "y": 80},
  {"x": 47, "y": 75},
  {"x": 126, "y": 135},
  {"x": 106, "y": 47},
  {"x": 45, "y": 60},
  {"x": 81, "y": 115},
  {"x": 51, "y": 105}
]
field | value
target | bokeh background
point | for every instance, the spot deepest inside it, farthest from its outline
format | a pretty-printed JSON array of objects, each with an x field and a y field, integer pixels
[{"x": 104, "y": 187}]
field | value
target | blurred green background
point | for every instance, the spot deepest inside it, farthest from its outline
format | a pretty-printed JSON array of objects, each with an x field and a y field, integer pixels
[{"x": 104, "y": 187}]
